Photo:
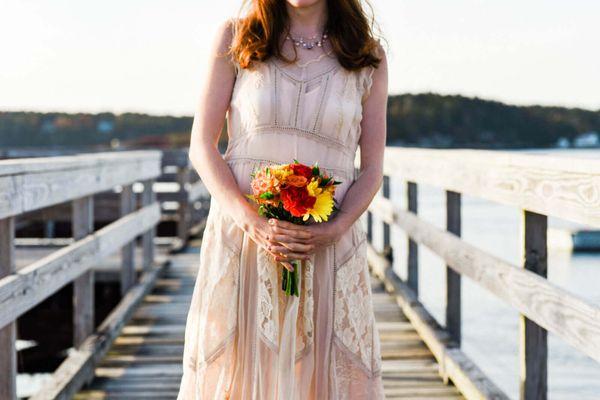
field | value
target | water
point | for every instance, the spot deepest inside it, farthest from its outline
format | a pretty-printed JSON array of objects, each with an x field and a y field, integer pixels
[{"x": 490, "y": 327}]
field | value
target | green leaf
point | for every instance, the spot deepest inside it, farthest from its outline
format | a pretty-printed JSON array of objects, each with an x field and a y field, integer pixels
[
  {"x": 296, "y": 161},
  {"x": 266, "y": 196},
  {"x": 315, "y": 170},
  {"x": 268, "y": 171}
]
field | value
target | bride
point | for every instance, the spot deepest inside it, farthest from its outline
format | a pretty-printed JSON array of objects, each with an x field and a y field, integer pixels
[{"x": 304, "y": 80}]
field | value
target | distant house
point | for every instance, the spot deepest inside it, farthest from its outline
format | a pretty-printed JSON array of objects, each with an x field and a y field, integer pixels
[
  {"x": 588, "y": 139},
  {"x": 105, "y": 126},
  {"x": 48, "y": 127},
  {"x": 563, "y": 143}
]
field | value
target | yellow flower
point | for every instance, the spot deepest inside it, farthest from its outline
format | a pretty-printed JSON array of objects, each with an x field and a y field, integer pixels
[
  {"x": 323, "y": 206},
  {"x": 313, "y": 188},
  {"x": 280, "y": 172}
]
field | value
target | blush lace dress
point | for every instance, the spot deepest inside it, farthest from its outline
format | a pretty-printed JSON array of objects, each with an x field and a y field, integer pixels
[{"x": 244, "y": 338}]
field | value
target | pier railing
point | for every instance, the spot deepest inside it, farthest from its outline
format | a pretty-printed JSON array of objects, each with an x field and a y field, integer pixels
[
  {"x": 31, "y": 184},
  {"x": 541, "y": 186}
]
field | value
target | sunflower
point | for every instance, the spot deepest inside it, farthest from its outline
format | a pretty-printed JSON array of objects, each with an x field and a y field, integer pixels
[{"x": 323, "y": 206}]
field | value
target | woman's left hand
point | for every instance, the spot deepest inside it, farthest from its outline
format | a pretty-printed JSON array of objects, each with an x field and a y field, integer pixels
[
  {"x": 326, "y": 233},
  {"x": 320, "y": 235}
]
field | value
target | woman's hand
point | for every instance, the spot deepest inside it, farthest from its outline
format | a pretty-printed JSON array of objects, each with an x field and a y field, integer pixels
[
  {"x": 283, "y": 240},
  {"x": 326, "y": 233}
]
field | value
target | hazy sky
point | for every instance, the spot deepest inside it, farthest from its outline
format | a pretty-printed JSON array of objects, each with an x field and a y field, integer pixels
[{"x": 148, "y": 55}]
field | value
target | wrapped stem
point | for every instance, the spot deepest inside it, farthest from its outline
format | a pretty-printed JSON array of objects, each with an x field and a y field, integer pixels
[{"x": 289, "y": 280}]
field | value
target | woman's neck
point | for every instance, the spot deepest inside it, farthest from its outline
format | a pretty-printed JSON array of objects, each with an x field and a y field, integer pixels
[{"x": 307, "y": 21}]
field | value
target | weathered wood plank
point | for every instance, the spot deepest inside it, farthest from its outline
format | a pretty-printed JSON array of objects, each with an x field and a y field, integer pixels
[
  {"x": 20, "y": 166},
  {"x": 148, "y": 197},
  {"x": 79, "y": 365},
  {"x": 8, "y": 352},
  {"x": 183, "y": 178},
  {"x": 128, "y": 251},
  {"x": 568, "y": 316},
  {"x": 534, "y": 338},
  {"x": 149, "y": 350},
  {"x": 454, "y": 364},
  {"x": 385, "y": 192},
  {"x": 31, "y": 184},
  {"x": 562, "y": 187},
  {"x": 453, "y": 284},
  {"x": 83, "y": 286},
  {"x": 21, "y": 291},
  {"x": 413, "y": 248}
]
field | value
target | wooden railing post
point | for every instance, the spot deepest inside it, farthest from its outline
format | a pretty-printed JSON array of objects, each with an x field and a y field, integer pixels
[
  {"x": 83, "y": 287},
  {"x": 148, "y": 197},
  {"x": 183, "y": 178},
  {"x": 453, "y": 282},
  {"x": 385, "y": 188},
  {"x": 413, "y": 248},
  {"x": 534, "y": 339},
  {"x": 8, "y": 334},
  {"x": 128, "y": 251}
]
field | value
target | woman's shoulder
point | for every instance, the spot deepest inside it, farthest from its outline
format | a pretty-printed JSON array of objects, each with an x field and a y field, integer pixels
[{"x": 224, "y": 39}]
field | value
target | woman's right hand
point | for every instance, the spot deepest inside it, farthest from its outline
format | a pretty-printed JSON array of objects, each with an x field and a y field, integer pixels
[{"x": 283, "y": 240}]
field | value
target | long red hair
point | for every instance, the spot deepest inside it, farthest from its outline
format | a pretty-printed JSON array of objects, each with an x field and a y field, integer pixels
[{"x": 349, "y": 30}]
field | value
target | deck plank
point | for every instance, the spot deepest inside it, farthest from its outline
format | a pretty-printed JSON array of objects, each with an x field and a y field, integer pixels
[{"x": 145, "y": 361}]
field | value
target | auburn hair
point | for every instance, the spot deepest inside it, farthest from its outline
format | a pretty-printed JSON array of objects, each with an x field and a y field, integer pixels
[{"x": 256, "y": 37}]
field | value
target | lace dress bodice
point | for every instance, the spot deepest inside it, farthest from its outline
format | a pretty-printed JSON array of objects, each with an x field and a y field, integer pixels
[{"x": 307, "y": 111}]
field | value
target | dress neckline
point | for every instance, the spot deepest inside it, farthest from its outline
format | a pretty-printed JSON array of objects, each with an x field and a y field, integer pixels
[{"x": 282, "y": 69}]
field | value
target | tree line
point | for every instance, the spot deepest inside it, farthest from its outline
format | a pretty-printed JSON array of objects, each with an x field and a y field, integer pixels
[{"x": 426, "y": 119}]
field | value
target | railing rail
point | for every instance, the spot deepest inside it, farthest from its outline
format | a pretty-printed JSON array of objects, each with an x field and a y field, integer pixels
[
  {"x": 31, "y": 184},
  {"x": 540, "y": 185}
]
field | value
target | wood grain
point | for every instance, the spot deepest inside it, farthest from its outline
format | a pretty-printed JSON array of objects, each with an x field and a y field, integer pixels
[
  {"x": 453, "y": 280},
  {"x": 562, "y": 187},
  {"x": 566, "y": 315},
  {"x": 76, "y": 370},
  {"x": 148, "y": 198},
  {"x": 128, "y": 251},
  {"x": 30, "y": 184},
  {"x": 21, "y": 291},
  {"x": 534, "y": 338},
  {"x": 413, "y": 248},
  {"x": 453, "y": 363},
  {"x": 8, "y": 352},
  {"x": 83, "y": 286}
]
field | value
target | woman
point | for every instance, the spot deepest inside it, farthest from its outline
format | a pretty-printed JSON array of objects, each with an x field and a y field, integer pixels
[{"x": 305, "y": 80}]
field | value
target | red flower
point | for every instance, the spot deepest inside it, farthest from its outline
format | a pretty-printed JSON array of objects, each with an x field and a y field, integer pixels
[
  {"x": 302, "y": 170},
  {"x": 296, "y": 200}
]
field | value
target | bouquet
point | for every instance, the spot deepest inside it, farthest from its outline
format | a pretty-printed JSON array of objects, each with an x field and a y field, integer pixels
[{"x": 295, "y": 193}]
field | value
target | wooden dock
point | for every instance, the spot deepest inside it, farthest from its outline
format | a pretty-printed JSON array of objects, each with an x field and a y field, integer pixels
[
  {"x": 135, "y": 350},
  {"x": 145, "y": 360}
]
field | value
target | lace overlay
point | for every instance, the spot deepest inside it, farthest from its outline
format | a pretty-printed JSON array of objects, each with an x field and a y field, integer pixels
[
  {"x": 268, "y": 299},
  {"x": 304, "y": 333},
  {"x": 354, "y": 320}
]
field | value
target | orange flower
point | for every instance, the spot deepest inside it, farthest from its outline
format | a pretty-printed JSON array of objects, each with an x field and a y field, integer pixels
[
  {"x": 296, "y": 180},
  {"x": 263, "y": 183}
]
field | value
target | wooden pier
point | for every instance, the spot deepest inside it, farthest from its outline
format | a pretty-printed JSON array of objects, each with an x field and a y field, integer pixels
[
  {"x": 135, "y": 350},
  {"x": 145, "y": 360}
]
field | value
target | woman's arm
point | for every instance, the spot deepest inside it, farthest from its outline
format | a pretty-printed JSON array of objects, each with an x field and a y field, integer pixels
[
  {"x": 210, "y": 165},
  {"x": 372, "y": 146}
]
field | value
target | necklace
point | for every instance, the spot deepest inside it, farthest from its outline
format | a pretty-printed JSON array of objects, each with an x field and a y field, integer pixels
[{"x": 308, "y": 43}]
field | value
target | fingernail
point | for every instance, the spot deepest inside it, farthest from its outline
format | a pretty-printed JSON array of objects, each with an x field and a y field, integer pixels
[{"x": 272, "y": 221}]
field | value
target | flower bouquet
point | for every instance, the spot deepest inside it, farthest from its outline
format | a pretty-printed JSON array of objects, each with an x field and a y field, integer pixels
[{"x": 295, "y": 193}]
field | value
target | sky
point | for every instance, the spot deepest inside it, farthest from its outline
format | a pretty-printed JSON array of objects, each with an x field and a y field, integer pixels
[{"x": 149, "y": 55}]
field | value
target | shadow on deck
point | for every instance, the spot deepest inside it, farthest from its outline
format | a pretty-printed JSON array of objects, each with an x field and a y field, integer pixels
[{"x": 145, "y": 360}]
